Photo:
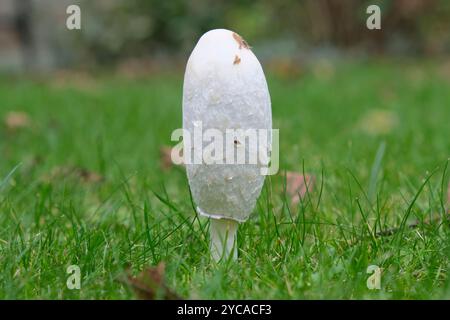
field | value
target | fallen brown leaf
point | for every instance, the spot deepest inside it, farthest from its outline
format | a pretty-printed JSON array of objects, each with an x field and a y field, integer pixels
[
  {"x": 437, "y": 219},
  {"x": 296, "y": 187},
  {"x": 166, "y": 157},
  {"x": 78, "y": 80},
  {"x": 323, "y": 69},
  {"x": 17, "y": 120},
  {"x": 138, "y": 68},
  {"x": 444, "y": 70},
  {"x": 88, "y": 176},
  {"x": 74, "y": 172},
  {"x": 149, "y": 284},
  {"x": 378, "y": 122},
  {"x": 285, "y": 68}
]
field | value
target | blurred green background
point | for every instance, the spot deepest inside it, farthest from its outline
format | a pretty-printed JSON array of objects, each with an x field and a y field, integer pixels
[{"x": 154, "y": 34}]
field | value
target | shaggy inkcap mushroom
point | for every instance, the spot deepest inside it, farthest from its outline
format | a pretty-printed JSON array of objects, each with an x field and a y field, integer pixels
[{"x": 225, "y": 88}]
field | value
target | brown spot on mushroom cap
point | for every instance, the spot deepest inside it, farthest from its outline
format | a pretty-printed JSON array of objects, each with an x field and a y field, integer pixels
[
  {"x": 242, "y": 43},
  {"x": 237, "y": 60}
]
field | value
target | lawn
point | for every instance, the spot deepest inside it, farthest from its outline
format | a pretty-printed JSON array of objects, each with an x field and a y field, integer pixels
[{"x": 81, "y": 184}]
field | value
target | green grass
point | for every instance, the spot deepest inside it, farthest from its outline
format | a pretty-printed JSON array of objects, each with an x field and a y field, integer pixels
[{"x": 374, "y": 171}]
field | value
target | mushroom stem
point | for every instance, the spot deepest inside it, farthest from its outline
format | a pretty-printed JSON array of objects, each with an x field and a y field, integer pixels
[{"x": 223, "y": 238}]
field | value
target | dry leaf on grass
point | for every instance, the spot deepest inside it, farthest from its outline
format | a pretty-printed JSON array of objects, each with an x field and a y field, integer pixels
[
  {"x": 166, "y": 158},
  {"x": 78, "y": 80},
  {"x": 378, "y": 122},
  {"x": 285, "y": 68},
  {"x": 417, "y": 223},
  {"x": 296, "y": 187},
  {"x": 17, "y": 120},
  {"x": 89, "y": 176},
  {"x": 323, "y": 70},
  {"x": 444, "y": 70},
  {"x": 138, "y": 68},
  {"x": 74, "y": 172},
  {"x": 149, "y": 284}
]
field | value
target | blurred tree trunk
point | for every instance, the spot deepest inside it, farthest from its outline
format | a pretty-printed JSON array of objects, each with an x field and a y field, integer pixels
[
  {"x": 334, "y": 21},
  {"x": 23, "y": 27},
  {"x": 342, "y": 22}
]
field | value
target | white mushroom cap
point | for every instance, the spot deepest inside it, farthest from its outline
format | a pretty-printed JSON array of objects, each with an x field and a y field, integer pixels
[{"x": 225, "y": 88}]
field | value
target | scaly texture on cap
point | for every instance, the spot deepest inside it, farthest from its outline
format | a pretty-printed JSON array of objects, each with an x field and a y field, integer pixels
[{"x": 225, "y": 88}]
